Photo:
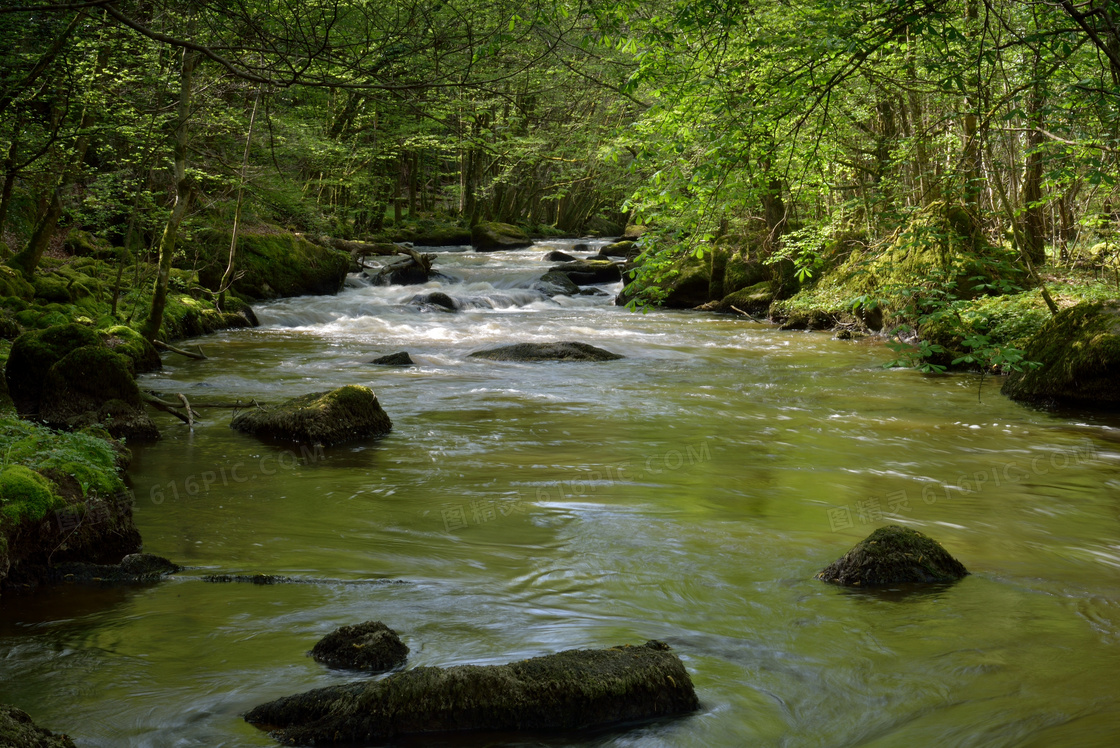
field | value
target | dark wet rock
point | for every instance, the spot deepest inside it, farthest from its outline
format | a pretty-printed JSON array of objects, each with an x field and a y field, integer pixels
[
  {"x": 17, "y": 730},
  {"x": 326, "y": 418},
  {"x": 436, "y": 299},
  {"x": 569, "y": 690},
  {"x": 556, "y": 284},
  {"x": 626, "y": 248},
  {"x": 589, "y": 272},
  {"x": 489, "y": 236},
  {"x": 402, "y": 273},
  {"x": 581, "y": 247},
  {"x": 557, "y": 256},
  {"x": 567, "y": 351},
  {"x": 394, "y": 359},
  {"x": 91, "y": 386},
  {"x": 894, "y": 555},
  {"x": 592, "y": 291},
  {"x": 1079, "y": 349},
  {"x": 808, "y": 319},
  {"x": 370, "y": 646},
  {"x": 133, "y": 568}
]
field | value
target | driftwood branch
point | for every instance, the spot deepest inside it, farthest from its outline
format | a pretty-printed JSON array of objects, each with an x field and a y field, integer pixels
[
  {"x": 166, "y": 407},
  {"x": 200, "y": 356}
]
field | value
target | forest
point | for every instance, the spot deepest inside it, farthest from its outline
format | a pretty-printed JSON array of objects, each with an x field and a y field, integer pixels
[{"x": 208, "y": 207}]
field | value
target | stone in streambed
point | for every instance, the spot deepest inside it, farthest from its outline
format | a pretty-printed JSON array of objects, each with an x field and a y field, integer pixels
[
  {"x": 394, "y": 359},
  {"x": 894, "y": 555},
  {"x": 589, "y": 272},
  {"x": 558, "y": 256},
  {"x": 565, "y": 351},
  {"x": 134, "y": 568},
  {"x": 17, "y": 730},
  {"x": 556, "y": 284},
  {"x": 490, "y": 236},
  {"x": 570, "y": 690},
  {"x": 437, "y": 299},
  {"x": 371, "y": 646},
  {"x": 326, "y": 418}
]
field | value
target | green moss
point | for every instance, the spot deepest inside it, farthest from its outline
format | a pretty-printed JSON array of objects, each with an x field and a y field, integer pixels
[
  {"x": 894, "y": 555},
  {"x": 25, "y": 494},
  {"x": 188, "y": 317},
  {"x": 1079, "y": 353},
  {"x": 86, "y": 245},
  {"x": 35, "y": 352},
  {"x": 275, "y": 263},
  {"x": 92, "y": 461},
  {"x": 327, "y": 418},
  {"x": 490, "y": 235},
  {"x": 14, "y": 284},
  {"x": 126, "y": 342},
  {"x": 51, "y": 288}
]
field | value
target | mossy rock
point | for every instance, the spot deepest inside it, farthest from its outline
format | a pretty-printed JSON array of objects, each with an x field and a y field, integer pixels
[
  {"x": 12, "y": 304},
  {"x": 572, "y": 690},
  {"x": 633, "y": 232},
  {"x": 432, "y": 235},
  {"x": 14, "y": 284},
  {"x": 753, "y": 300},
  {"x": 188, "y": 317},
  {"x": 25, "y": 494},
  {"x": 326, "y": 418},
  {"x": 126, "y": 342},
  {"x": 370, "y": 646},
  {"x": 51, "y": 288},
  {"x": 894, "y": 555},
  {"x": 600, "y": 226},
  {"x": 84, "y": 244},
  {"x": 490, "y": 236},
  {"x": 9, "y": 328},
  {"x": 567, "y": 351},
  {"x": 1079, "y": 353},
  {"x": 17, "y": 730},
  {"x": 93, "y": 385},
  {"x": 34, "y": 353},
  {"x": 626, "y": 249},
  {"x": 274, "y": 263}
]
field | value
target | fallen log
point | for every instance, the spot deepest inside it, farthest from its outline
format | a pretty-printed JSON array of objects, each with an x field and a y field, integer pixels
[{"x": 569, "y": 690}]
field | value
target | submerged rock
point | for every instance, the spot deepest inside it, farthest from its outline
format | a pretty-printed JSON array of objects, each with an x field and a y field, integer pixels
[
  {"x": 1079, "y": 349},
  {"x": 133, "y": 568},
  {"x": 589, "y": 272},
  {"x": 326, "y": 418},
  {"x": 394, "y": 359},
  {"x": 437, "y": 299},
  {"x": 17, "y": 730},
  {"x": 371, "y": 646},
  {"x": 566, "y": 351},
  {"x": 894, "y": 555},
  {"x": 569, "y": 690},
  {"x": 490, "y": 236}
]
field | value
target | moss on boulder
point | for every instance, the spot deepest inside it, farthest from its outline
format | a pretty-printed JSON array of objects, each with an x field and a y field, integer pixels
[
  {"x": 34, "y": 353},
  {"x": 430, "y": 234},
  {"x": 274, "y": 263},
  {"x": 370, "y": 646},
  {"x": 91, "y": 386},
  {"x": 25, "y": 493},
  {"x": 489, "y": 236},
  {"x": 571, "y": 690},
  {"x": 1079, "y": 349},
  {"x": 326, "y": 418},
  {"x": 589, "y": 272},
  {"x": 13, "y": 284},
  {"x": 126, "y": 342},
  {"x": 566, "y": 351},
  {"x": 17, "y": 730},
  {"x": 894, "y": 555}
]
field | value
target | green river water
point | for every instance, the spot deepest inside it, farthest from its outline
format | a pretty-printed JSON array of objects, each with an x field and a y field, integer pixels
[{"x": 688, "y": 492}]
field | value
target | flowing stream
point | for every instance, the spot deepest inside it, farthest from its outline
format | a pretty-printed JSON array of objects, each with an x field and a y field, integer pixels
[{"x": 688, "y": 492}]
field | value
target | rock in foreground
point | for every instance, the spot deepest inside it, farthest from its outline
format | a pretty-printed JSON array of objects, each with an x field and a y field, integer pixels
[
  {"x": 894, "y": 555},
  {"x": 1079, "y": 349},
  {"x": 371, "y": 646},
  {"x": 326, "y": 418},
  {"x": 18, "y": 731},
  {"x": 567, "y": 351},
  {"x": 569, "y": 690}
]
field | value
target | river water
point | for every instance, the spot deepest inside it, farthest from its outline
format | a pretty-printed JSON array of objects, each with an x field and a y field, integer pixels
[{"x": 688, "y": 492}]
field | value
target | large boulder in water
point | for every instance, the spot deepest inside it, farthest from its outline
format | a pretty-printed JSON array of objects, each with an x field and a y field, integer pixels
[
  {"x": 394, "y": 359},
  {"x": 272, "y": 262},
  {"x": 371, "y": 646},
  {"x": 17, "y": 730},
  {"x": 894, "y": 555},
  {"x": 490, "y": 236},
  {"x": 1079, "y": 349},
  {"x": 326, "y": 418},
  {"x": 572, "y": 690},
  {"x": 567, "y": 351}
]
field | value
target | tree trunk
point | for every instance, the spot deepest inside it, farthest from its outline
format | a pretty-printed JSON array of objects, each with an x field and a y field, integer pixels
[
  {"x": 182, "y": 199},
  {"x": 1034, "y": 218}
]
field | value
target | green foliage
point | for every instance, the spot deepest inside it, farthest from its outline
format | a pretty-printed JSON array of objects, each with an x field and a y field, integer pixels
[
  {"x": 91, "y": 461},
  {"x": 24, "y": 494}
]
